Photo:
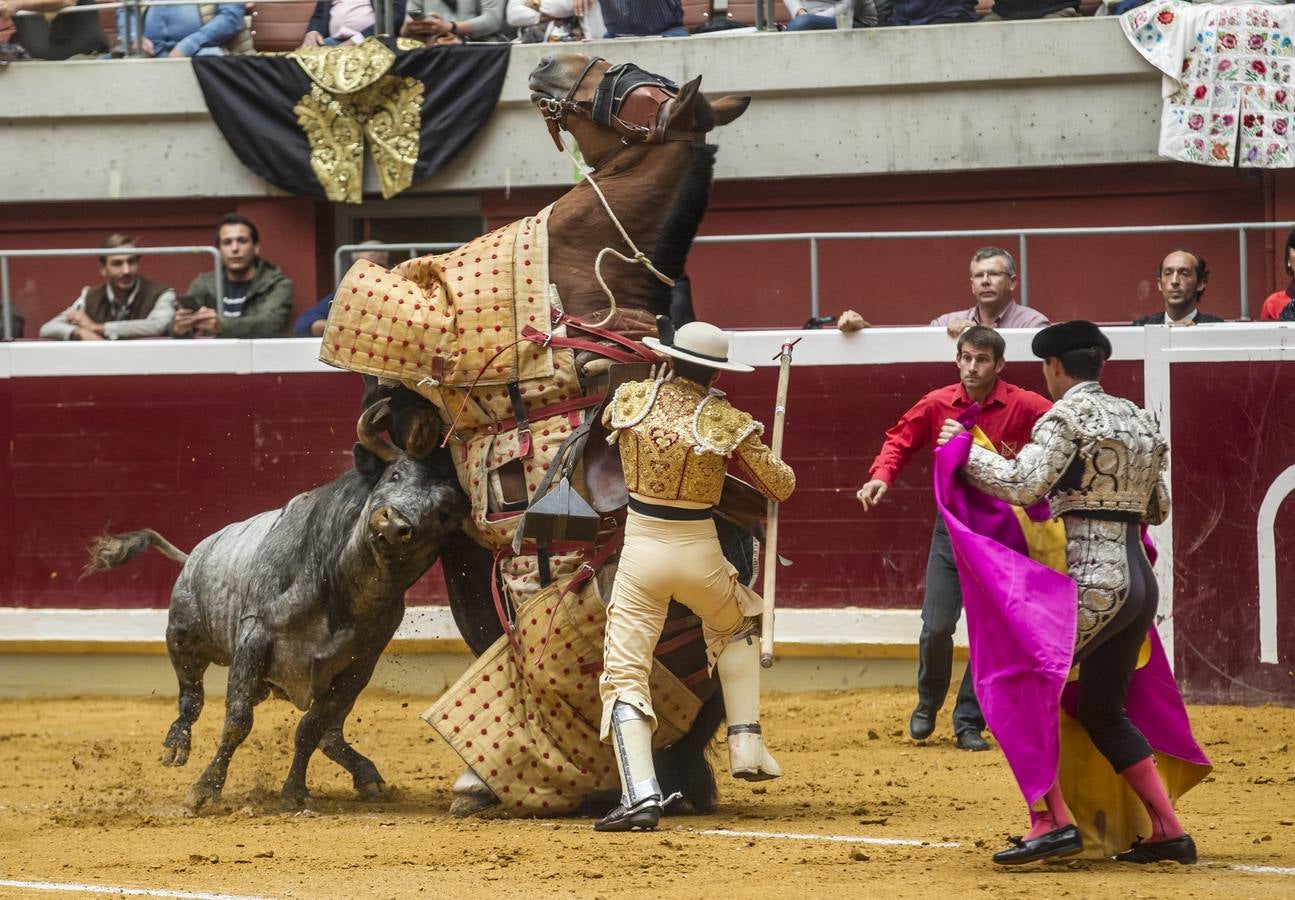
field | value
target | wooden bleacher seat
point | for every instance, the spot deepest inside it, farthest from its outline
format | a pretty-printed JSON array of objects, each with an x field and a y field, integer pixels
[
  {"x": 742, "y": 11},
  {"x": 280, "y": 26}
]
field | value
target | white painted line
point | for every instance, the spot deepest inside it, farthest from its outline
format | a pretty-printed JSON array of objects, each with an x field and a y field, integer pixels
[
  {"x": 1264, "y": 870},
  {"x": 834, "y": 838},
  {"x": 69, "y": 887},
  {"x": 910, "y": 842}
]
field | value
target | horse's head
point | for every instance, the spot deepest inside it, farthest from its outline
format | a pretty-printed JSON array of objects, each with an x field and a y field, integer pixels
[{"x": 604, "y": 105}]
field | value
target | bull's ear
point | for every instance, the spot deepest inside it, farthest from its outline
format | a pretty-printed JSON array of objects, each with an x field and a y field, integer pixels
[
  {"x": 726, "y": 109},
  {"x": 367, "y": 463}
]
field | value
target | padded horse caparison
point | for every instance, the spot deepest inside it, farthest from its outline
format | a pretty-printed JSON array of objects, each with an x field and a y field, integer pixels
[{"x": 633, "y": 102}]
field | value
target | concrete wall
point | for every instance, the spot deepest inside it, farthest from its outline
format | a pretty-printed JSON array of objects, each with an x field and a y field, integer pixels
[{"x": 894, "y": 100}]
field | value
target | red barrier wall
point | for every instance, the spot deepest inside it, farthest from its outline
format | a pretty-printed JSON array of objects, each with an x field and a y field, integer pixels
[
  {"x": 1233, "y": 434},
  {"x": 189, "y": 454}
]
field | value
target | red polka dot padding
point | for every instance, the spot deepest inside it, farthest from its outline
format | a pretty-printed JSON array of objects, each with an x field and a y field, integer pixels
[
  {"x": 527, "y": 722},
  {"x": 447, "y": 315}
]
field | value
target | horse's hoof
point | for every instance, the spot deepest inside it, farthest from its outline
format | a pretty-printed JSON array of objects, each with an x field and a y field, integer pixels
[
  {"x": 168, "y": 756},
  {"x": 465, "y": 805},
  {"x": 374, "y": 790},
  {"x": 294, "y": 801},
  {"x": 199, "y": 796}
]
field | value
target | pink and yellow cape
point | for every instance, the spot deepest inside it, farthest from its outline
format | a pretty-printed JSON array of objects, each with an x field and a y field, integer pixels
[{"x": 1021, "y": 610}]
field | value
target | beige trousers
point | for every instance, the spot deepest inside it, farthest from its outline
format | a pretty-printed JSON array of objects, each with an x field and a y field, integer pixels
[{"x": 664, "y": 559}]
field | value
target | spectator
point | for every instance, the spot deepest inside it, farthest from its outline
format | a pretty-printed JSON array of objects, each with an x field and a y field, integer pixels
[
  {"x": 1032, "y": 9},
  {"x": 59, "y": 37},
  {"x": 257, "y": 296},
  {"x": 993, "y": 281},
  {"x": 311, "y": 323},
  {"x": 541, "y": 21},
  {"x": 346, "y": 21},
  {"x": 1281, "y": 305},
  {"x": 179, "y": 32},
  {"x": 1007, "y": 417},
  {"x": 643, "y": 18},
  {"x": 126, "y": 305},
  {"x": 1182, "y": 279},
  {"x": 440, "y": 22},
  {"x": 932, "y": 12},
  {"x": 9, "y": 48},
  {"x": 820, "y": 15}
]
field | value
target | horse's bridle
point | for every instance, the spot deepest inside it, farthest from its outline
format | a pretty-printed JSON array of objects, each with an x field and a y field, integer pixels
[{"x": 617, "y": 83}]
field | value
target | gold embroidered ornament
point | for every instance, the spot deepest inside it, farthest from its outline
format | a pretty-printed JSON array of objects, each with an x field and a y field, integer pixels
[{"x": 352, "y": 98}]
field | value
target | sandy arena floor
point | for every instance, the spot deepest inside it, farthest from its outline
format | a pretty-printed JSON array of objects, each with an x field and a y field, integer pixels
[{"x": 84, "y": 801}]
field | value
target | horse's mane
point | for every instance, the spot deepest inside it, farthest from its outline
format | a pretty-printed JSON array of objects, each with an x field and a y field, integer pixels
[{"x": 683, "y": 221}]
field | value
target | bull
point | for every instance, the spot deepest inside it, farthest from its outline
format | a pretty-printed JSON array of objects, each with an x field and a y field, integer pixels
[{"x": 301, "y": 601}]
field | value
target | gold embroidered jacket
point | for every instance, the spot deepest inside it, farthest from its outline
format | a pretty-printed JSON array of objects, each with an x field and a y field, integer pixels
[{"x": 676, "y": 438}]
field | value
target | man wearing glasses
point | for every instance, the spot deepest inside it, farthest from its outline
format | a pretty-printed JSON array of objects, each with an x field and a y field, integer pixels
[{"x": 993, "y": 282}]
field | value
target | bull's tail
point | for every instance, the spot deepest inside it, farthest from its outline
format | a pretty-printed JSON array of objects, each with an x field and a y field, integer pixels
[{"x": 113, "y": 550}]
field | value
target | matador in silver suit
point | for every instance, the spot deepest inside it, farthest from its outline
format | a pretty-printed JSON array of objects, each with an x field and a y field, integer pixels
[{"x": 1101, "y": 461}]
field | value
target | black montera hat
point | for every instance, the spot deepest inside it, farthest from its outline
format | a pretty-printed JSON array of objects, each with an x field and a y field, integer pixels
[{"x": 1066, "y": 336}]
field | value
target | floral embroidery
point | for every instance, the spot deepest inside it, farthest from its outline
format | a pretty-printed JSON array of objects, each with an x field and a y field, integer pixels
[{"x": 1231, "y": 74}]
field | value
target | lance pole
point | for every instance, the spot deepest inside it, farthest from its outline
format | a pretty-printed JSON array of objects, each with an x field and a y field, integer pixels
[{"x": 771, "y": 528}]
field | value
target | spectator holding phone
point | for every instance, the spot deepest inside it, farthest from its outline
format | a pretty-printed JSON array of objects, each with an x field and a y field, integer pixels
[
  {"x": 256, "y": 300},
  {"x": 454, "y": 21},
  {"x": 126, "y": 305}
]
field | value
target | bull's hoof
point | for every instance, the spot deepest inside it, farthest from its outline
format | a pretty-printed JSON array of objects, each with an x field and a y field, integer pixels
[
  {"x": 374, "y": 790},
  {"x": 174, "y": 755},
  {"x": 200, "y": 795}
]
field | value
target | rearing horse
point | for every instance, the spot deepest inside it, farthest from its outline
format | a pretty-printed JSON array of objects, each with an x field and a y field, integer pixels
[{"x": 525, "y": 731}]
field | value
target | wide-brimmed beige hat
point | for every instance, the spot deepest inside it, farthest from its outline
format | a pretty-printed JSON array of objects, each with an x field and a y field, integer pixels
[{"x": 696, "y": 342}]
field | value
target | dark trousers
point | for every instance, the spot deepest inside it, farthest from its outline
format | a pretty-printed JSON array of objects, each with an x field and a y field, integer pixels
[
  {"x": 940, "y": 611},
  {"x": 1107, "y": 663}
]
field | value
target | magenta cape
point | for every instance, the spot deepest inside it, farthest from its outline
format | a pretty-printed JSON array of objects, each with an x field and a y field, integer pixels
[{"x": 1021, "y": 624}]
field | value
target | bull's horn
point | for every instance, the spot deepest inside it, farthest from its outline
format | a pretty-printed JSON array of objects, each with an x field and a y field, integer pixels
[{"x": 376, "y": 419}]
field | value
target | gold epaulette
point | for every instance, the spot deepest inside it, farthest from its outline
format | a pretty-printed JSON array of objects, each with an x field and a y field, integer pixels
[
  {"x": 719, "y": 427},
  {"x": 632, "y": 401}
]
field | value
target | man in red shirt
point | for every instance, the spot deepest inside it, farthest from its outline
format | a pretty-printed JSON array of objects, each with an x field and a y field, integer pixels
[{"x": 1007, "y": 417}]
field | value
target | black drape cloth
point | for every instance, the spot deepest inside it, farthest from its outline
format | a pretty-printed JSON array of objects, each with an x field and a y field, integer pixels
[{"x": 252, "y": 100}]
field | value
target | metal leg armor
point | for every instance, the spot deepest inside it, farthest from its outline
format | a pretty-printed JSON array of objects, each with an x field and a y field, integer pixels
[
  {"x": 739, "y": 677},
  {"x": 641, "y": 800}
]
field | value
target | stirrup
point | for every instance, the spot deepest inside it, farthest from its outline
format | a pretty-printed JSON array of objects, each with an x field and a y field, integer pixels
[{"x": 642, "y": 816}]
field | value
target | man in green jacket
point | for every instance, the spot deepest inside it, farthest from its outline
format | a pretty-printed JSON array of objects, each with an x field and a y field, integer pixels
[{"x": 257, "y": 296}]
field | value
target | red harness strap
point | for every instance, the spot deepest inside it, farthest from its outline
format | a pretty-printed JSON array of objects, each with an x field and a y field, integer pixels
[
  {"x": 587, "y": 570},
  {"x": 539, "y": 337},
  {"x": 575, "y": 404}
]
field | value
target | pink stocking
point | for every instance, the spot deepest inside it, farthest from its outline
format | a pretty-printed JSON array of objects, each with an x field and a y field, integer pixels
[
  {"x": 1145, "y": 781},
  {"x": 1057, "y": 816}
]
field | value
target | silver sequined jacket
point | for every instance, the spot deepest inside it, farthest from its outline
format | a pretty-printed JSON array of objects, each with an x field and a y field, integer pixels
[
  {"x": 1100, "y": 460},
  {"x": 1090, "y": 452}
]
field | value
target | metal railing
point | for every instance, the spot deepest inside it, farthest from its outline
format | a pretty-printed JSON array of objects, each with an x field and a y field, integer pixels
[
  {"x": 132, "y": 40},
  {"x": 1022, "y": 235},
  {"x": 6, "y": 303}
]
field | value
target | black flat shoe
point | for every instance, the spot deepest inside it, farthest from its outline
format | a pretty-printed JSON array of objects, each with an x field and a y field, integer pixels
[
  {"x": 1180, "y": 850},
  {"x": 1058, "y": 842},
  {"x": 643, "y": 816},
  {"x": 971, "y": 740},
  {"x": 921, "y": 723}
]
